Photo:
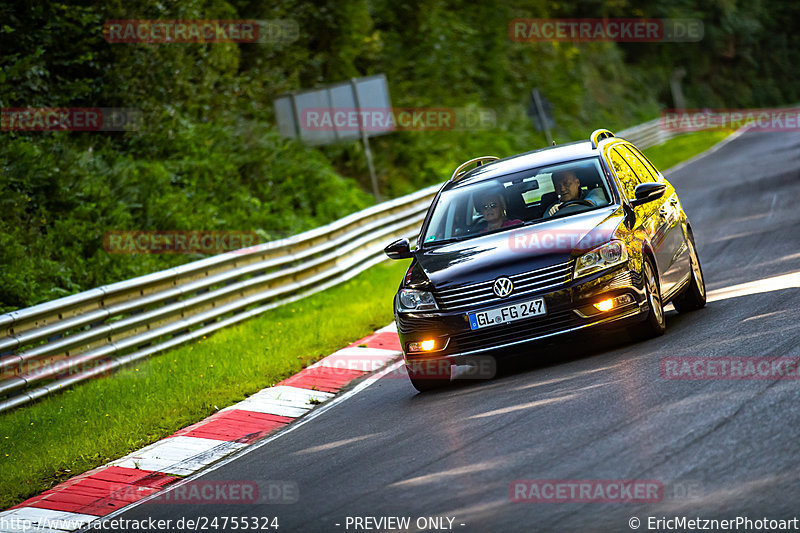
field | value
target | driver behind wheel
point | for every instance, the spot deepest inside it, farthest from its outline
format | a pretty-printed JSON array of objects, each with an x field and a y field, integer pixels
[{"x": 568, "y": 188}]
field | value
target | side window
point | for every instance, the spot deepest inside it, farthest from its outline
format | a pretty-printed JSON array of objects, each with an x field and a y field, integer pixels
[
  {"x": 636, "y": 164},
  {"x": 624, "y": 172}
]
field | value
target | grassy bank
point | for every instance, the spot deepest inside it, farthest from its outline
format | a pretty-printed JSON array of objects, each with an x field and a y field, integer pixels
[
  {"x": 93, "y": 423},
  {"x": 679, "y": 149}
]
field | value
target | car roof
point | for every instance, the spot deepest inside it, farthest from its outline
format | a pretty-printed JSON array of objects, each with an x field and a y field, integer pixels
[{"x": 536, "y": 158}]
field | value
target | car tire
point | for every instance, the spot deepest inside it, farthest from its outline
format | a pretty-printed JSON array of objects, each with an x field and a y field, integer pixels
[
  {"x": 694, "y": 296},
  {"x": 423, "y": 380},
  {"x": 655, "y": 324}
]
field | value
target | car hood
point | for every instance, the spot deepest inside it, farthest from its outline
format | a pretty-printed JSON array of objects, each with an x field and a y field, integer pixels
[{"x": 518, "y": 250}]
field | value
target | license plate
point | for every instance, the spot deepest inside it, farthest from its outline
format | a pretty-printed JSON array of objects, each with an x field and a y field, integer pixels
[{"x": 508, "y": 313}]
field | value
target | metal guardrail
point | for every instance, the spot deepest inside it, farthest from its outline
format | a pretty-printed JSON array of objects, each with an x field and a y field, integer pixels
[
  {"x": 57, "y": 344},
  {"x": 647, "y": 134},
  {"x": 51, "y": 346}
]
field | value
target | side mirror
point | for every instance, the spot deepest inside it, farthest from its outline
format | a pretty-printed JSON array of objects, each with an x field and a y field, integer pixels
[
  {"x": 647, "y": 192},
  {"x": 399, "y": 249}
]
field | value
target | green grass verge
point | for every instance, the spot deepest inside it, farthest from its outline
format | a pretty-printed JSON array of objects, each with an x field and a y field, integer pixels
[
  {"x": 100, "y": 420},
  {"x": 683, "y": 147},
  {"x": 96, "y": 422}
]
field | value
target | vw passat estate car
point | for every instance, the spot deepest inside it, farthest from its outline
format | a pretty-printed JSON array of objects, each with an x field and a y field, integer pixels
[{"x": 582, "y": 235}]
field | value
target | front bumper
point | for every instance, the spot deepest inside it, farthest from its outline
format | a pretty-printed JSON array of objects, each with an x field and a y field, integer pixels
[{"x": 569, "y": 310}]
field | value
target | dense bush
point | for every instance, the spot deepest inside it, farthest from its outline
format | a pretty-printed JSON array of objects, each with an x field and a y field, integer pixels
[{"x": 59, "y": 199}]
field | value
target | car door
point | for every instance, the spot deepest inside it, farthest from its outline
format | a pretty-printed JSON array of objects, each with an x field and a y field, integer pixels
[
  {"x": 681, "y": 260},
  {"x": 671, "y": 248},
  {"x": 648, "y": 217}
]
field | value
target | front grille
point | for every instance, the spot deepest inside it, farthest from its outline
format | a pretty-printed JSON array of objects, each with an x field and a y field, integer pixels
[
  {"x": 492, "y": 336},
  {"x": 527, "y": 283}
]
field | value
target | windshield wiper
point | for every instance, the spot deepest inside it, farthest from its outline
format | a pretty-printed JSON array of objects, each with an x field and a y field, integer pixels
[
  {"x": 447, "y": 241},
  {"x": 535, "y": 221}
]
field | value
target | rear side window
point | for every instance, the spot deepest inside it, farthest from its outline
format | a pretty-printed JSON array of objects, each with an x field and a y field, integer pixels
[
  {"x": 644, "y": 160},
  {"x": 637, "y": 164},
  {"x": 624, "y": 172}
]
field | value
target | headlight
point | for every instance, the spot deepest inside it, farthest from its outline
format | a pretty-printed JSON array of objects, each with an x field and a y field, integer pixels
[
  {"x": 605, "y": 256},
  {"x": 414, "y": 300}
]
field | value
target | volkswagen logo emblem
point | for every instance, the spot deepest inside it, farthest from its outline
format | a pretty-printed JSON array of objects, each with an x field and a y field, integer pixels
[{"x": 502, "y": 287}]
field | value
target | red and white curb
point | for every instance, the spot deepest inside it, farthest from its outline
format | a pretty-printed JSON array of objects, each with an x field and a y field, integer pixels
[{"x": 83, "y": 499}]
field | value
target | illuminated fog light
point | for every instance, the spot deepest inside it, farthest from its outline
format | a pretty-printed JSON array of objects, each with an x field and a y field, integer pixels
[
  {"x": 605, "y": 305},
  {"x": 422, "y": 346},
  {"x": 611, "y": 303}
]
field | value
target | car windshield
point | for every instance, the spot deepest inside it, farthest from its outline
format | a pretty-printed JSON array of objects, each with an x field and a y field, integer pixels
[{"x": 472, "y": 209}]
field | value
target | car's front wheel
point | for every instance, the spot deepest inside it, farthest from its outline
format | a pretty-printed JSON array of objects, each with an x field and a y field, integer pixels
[
  {"x": 694, "y": 296},
  {"x": 429, "y": 376},
  {"x": 655, "y": 324}
]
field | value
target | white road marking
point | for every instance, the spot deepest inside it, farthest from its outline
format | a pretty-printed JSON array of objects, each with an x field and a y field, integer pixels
[
  {"x": 287, "y": 393},
  {"x": 336, "y": 444},
  {"x": 775, "y": 283},
  {"x": 390, "y": 328},
  {"x": 282, "y": 400},
  {"x": 518, "y": 407},
  {"x": 271, "y": 407},
  {"x": 178, "y": 455},
  {"x": 358, "y": 358},
  {"x": 772, "y": 206}
]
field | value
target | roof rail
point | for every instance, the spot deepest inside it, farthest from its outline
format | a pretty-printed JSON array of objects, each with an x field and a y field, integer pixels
[
  {"x": 479, "y": 160},
  {"x": 599, "y": 135}
]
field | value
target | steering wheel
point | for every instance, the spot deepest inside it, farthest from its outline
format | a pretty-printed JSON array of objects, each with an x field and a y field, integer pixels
[
  {"x": 569, "y": 203},
  {"x": 579, "y": 201}
]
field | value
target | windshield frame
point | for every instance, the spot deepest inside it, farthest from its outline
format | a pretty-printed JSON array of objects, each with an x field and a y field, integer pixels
[{"x": 607, "y": 187}]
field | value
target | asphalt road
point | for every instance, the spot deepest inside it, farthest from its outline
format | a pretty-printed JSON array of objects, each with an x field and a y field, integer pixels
[{"x": 582, "y": 410}]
